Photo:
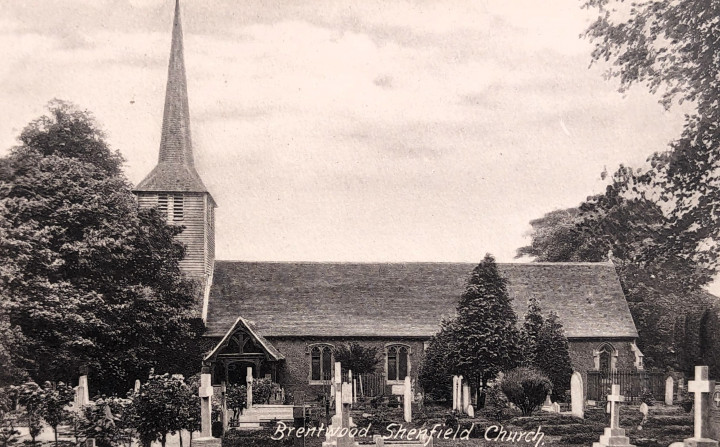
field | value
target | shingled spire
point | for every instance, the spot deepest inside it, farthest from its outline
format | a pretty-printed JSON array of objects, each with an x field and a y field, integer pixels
[{"x": 175, "y": 170}]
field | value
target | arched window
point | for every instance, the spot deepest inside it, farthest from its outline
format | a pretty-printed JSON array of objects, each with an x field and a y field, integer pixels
[
  {"x": 398, "y": 364},
  {"x": 321, "y": 361},
  {"x": 605, "y": 359}
]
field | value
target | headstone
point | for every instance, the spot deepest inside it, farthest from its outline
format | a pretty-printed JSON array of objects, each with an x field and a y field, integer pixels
[
  {"x": 83, "y": 392},
  {"x": 137, "y": 385},
  {"x": 669, "y": 389},
  {"x": 249, "y": 387},
  {"x": 338, "y": 393},
  {"x": 454, "y": 393},
  {"x": 577, "y": 398},
  {"x": 465, "y": 397},
  {"x": 470, "y": 411},
  {"x": 458, "y": 390},
  {"x": 715, "y": 414},
  {"x": 354, "y": 390},
  {"x": 614, "y": 435},
  {"x": 644, "y": 410},
  {"x": 205, "y": 392},
  {"x": 547, "y": 405},
  {"x": 407, "y": 401},
  {"x": 223, "y": 407},
  {"x": 703, "y": 390}
]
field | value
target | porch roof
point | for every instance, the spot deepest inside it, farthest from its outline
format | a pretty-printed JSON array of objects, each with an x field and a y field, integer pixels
[{"x": 240, "y": 322}]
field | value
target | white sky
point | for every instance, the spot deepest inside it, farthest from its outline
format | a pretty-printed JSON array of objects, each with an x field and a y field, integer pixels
[{"x": 332, "y": 130}]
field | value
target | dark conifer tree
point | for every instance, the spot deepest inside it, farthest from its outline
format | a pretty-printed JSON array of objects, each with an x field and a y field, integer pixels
[{"x": 485, "y": 339}]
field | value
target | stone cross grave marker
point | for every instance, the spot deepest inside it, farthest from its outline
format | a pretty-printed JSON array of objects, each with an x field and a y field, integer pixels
[
  {"x": 205, "y": 392},
  {"x": 614, "y": 398},
  {"x": 249, "y": 387},
  {"x": 407, "y": 400},
  {"x": 703, "y": 389},
  {"x": 614, "y": 435}
]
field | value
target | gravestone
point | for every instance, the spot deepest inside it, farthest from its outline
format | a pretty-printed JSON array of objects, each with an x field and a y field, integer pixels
[
  {"x": 249, "y": 420},
  {"x": 337, "y": 419},
  {"x": 82, "y": 393},
  {"x": 137, "y": 385},
  {"x": 715, "y": 414},
  {"x": 547, "y": 405},
  {"x": 614, "y": 435},
  {"x": 644, "y": 409},
  {"x": 669, "y": 390},
  {"x": 459, "y": 394},
  {"x": 407, "y": 400},
  {"x": 465, "y": 397},
  {"x": 577, "y": 402},
  {"x": 703, "y": 390},
  {"x": 205, "y": 392}
]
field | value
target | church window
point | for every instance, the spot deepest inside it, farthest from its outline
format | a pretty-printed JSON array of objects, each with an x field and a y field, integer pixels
[
  {"x": 606, "y": 360},
  {"x": 398, "y": 365},
  {"x": 178, "y": 207},
  {"x": 321, "y": 361}
]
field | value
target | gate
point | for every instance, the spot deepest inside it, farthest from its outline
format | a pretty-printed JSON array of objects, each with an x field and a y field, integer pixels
[
  {"x": 371, "y": 385},
  {"x": 632, "y": 384}
]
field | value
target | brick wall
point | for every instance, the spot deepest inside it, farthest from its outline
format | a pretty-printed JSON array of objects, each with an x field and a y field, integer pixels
[
  {"x": 581, "y": 354},
  {"x": 295, "y": 374}
]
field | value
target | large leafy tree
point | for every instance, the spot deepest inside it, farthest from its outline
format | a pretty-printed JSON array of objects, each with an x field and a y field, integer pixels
[
  {"x": 630, "y": 224},
  {"x": 671, "y": 47},
  {"x": 87, "y": 278}
]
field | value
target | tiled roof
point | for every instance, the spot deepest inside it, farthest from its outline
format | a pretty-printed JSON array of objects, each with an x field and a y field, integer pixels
[{"x": 403, "y": 299}]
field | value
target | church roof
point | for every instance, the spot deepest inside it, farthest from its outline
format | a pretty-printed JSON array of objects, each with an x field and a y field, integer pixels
[
  {"x": 175, "y": 170},
  {"x": 404, "y": 299}
]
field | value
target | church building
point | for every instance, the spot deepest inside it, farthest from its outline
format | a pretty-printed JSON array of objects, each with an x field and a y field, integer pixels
[{"x": 285, "y": 319}]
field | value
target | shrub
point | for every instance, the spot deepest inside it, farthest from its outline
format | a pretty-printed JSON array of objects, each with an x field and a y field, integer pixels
[
  {"x": 8, "y": 433},
  {"x": 55, "y": 399},
  {"x": 579, "y": 439},
  {"x": 451, "y": 420},
  {"x": 496, "y": 404},
  {"x": 31, "y": 396},
  {"x": 526, "y": 388},
  {"x": 647, "y": 397},
  {"x": 109, "y": 421},
  {"x": 357, "y": 358}
]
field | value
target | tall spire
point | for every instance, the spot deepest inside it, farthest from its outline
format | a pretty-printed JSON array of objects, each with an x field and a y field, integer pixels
[
  {"x": 175, "y": 143},
  {"x": 175, "y": 170}
]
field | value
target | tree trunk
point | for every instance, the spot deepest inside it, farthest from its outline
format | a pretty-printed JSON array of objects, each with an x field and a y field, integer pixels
[
  {"x": 180, "y": 436},
  {"x": 163, "y": 439},
  {"x": 56, "y": 436}
]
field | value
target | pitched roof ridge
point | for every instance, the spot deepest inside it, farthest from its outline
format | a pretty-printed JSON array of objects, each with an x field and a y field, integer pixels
[{"x": 242, "y": 261}]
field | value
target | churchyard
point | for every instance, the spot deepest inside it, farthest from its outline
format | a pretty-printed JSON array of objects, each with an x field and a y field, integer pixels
[{"x": 689, "y": 415}]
